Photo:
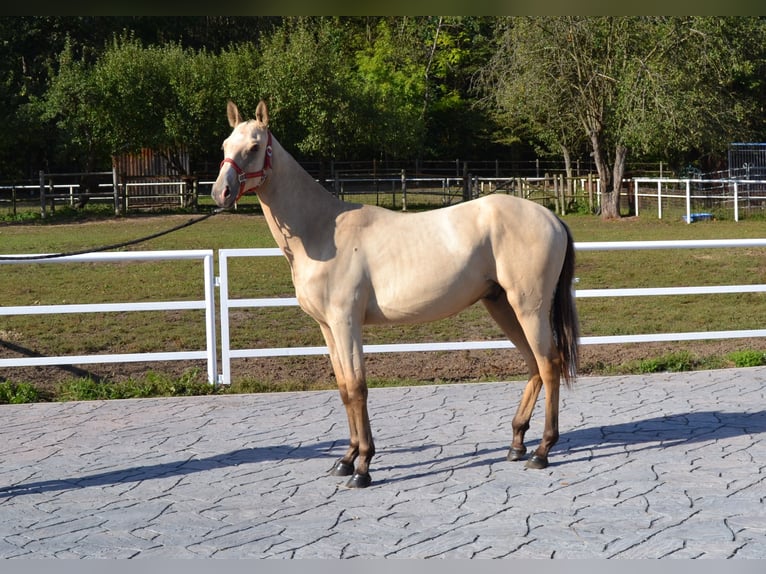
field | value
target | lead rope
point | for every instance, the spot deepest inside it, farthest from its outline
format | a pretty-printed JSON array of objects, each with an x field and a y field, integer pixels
[{"x": 115, "y": 245}]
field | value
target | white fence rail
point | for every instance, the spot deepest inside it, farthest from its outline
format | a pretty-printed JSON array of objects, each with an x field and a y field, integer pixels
[
  {"x": 228, "y": 303},
  {"x": 721, "y": 192},
  {"x": 207, "y": 303}
]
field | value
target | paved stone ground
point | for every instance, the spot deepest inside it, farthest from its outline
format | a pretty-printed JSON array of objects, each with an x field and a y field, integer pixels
[{"x": 670, "y": 465}]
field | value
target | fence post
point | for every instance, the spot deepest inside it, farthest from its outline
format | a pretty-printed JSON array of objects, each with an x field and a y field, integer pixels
[
  {"x": 466, "y": 183},
  {"x": 404, "y": 191},
  {"x": 115, "y": 191},
  {"x": 210, "y": 337},
  {"x": 635, "y": 194},
  {"x": 736, "y": 202},
  {"x": 688, "y": 202},
  {"x": 42, "y": 194},
  {"x": 563, "y": 192}
]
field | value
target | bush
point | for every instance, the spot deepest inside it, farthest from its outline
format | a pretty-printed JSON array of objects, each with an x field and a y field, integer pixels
[
  {"x": 747, "y": 358},
  {"x": 669, "y": 363},
  {"x": 152, "y": 385},
  {"x": 17, "y": 393}
]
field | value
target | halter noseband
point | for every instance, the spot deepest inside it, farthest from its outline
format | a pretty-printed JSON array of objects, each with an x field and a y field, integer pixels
[{"x": 243, "y": 176}]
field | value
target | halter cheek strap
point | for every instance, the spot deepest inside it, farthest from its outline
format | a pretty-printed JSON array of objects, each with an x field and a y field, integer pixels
[{"x": 243, "y": 175}]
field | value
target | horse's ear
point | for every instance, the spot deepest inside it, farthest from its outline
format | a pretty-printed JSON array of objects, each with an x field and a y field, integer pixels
[
  {"x": 232, "y": 111},
  {"x": 262, "y": 113}
]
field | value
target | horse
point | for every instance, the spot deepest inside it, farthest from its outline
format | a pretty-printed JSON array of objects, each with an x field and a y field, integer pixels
[{"x": 355, "y": 265}]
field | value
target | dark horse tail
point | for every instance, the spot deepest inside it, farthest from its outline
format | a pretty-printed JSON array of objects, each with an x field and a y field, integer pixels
[{"x": 566, "y": 325}]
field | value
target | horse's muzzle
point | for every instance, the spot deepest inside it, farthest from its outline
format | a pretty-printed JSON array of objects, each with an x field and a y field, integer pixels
[{"x": 222, "y": 196}]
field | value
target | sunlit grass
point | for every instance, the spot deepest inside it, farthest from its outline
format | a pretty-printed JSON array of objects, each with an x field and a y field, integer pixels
[{"x": 50, "y": 283}]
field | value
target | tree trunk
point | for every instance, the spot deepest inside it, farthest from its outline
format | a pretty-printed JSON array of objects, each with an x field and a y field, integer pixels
[
  {"x": 604, "y": 178},
  {"x": 568, "y": 188},
  {"x": 618, "y": 170},
  {"x": 611, "y": 179},
  {"x": 610, "y": 201}
]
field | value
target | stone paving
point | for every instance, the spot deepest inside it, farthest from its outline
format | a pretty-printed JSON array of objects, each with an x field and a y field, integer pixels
[{"x": 649, "y": 466}]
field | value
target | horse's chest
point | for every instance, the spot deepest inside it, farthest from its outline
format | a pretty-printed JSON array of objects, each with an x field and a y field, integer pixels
[{"x": 329, "y": 292}]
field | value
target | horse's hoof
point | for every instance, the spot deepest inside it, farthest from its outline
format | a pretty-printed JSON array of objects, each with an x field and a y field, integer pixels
[
  {"x": 515, "y": 454},
  {"x": 537, "y": 462},
  {"x": 359, "y": 480},
  {"x": 342, "y": 469}
]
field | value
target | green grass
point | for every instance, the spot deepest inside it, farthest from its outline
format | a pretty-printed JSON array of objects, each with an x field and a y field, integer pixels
[
  {"x": 37, "y": 284},
  {"x": 17, "y": 393}
]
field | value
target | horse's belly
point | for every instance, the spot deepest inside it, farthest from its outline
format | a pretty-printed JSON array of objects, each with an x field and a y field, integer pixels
[{"x": 424, "y": 301}]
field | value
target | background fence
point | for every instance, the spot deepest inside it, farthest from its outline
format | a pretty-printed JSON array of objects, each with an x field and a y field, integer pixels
[
  {"x": 699, "y": 199},
  {"x": 688, "y": 199}
]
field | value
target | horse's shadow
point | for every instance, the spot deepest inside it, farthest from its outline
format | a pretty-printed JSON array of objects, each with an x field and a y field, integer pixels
[
  {"x": 174, "y": 468},
  {"x": 659, "y": 433},
  {"x": 656, "y": 433}
]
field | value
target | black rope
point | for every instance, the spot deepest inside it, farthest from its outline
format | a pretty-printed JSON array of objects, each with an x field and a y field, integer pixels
[{"x": 115, "y": 245}]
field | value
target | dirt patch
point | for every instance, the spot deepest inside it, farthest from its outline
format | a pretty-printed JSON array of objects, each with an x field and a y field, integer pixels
[{"x": 454, "y": 366}]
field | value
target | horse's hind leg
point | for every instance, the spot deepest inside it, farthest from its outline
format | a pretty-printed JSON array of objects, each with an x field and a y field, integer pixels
[
  {"x": 502, "y": 312},
  {"x": 540, "y": 337}
]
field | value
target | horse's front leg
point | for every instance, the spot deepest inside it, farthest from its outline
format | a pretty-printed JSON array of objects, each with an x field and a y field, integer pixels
[{"x": 347, "y": 358}]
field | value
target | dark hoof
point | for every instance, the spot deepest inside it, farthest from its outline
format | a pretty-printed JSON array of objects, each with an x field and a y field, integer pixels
[
  {"x": 359, "y": 480},
  {"x": 342, "y": 469},
  {"x": 516, "y": 453},
  {"x": 537, "y": 462}
]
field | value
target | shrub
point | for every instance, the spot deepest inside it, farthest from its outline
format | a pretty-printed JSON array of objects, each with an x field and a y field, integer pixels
[
  {"x": 17, "y": 393},
  {"x": 669, "y": 363},
  {"x": 747, "y": 358}
]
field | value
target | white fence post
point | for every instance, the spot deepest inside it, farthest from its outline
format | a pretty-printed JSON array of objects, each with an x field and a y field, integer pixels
[
  {"x": 210, "y": 338},
  {"x": 688, "y": 202}
]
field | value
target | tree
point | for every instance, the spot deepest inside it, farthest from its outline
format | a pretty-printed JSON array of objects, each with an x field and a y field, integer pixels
[
  {"x": 640, "y": 83},
  {"x": 73, "y": 102},
  {"x": 455, "y": 48},
  {"x": 304, "y": 74},
  {"x": 393, "y": 81}
]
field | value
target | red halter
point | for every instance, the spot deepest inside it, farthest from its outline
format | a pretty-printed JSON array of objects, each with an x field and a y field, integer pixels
[{"x": 243, "y": 176}]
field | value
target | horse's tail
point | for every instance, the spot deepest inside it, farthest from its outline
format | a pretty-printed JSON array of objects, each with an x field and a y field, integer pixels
[{"x": 566, "y": 325}]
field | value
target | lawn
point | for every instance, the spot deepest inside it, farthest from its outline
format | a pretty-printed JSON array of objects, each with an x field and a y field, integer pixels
[{"x": 36, "y": 283}]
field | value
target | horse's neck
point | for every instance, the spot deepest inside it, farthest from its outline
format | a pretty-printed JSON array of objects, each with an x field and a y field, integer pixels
[{"x": 297, "y": 209}]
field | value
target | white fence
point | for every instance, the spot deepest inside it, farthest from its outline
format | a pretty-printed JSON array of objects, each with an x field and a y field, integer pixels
[
  {"x": 720, "y": 193},
  {"x": 207, "y": 303},
  {"x": 227, "y": 304}
]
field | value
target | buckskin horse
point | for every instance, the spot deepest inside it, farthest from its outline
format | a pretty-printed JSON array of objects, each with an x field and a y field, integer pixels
[{"x": 356, "y": 264}]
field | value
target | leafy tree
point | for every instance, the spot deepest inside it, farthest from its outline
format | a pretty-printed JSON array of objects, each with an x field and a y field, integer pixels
[
  {"x": 304, "y": 76},
  {"x": 454, "y": 127},
  {"x": 643, "y": 83},
  {"x": 392, "y": 79},
  {"x": 74, "y": 103}
]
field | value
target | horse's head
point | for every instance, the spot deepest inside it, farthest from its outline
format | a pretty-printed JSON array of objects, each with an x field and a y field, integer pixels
[{"x": 246, "y": 156}]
